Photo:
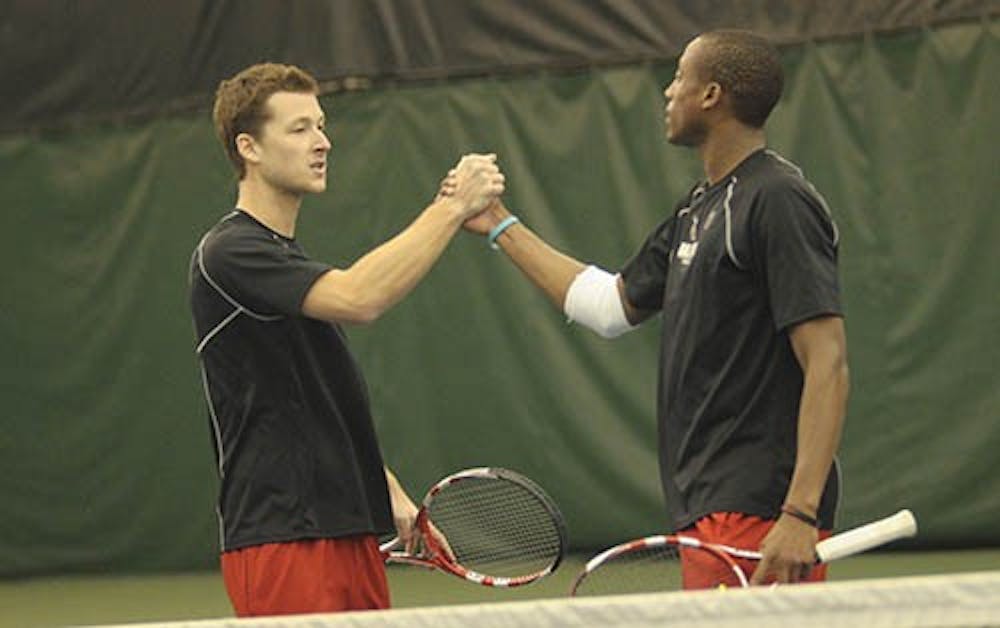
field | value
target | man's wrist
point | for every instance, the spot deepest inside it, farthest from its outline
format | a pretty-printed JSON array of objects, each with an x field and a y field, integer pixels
[
  {"x": 496, "y": 214},
  {"x": 451, "y": 207},
  {"x": 499, "y": 229},
  {"x": 801, "y": 515}
]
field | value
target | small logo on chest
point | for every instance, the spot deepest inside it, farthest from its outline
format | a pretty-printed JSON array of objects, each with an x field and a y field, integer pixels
[{"x": 686, "y": 251}]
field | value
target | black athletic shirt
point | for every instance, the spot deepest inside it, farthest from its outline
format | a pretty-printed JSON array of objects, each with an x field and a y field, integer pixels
[
  {"x": 735, "y": 267},
  {"x": 289, "y": 409}
]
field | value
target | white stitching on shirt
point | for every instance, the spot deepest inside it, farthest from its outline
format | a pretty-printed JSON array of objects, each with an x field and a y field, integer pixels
[
  {"x": 220, "y": 451},
  {"x": 730, "y": 250},
  {"x": 231, "y": 300},
  {"x": 239, "y": 307},
  {"x": 216, "y": 428},
  {"x": 217, "y": 329},
  {"x": 812, "y": 188}
]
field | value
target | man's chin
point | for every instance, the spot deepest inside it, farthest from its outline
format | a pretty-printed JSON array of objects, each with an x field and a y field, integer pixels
[
  {"x": 672, "y": 136},
  {"x": 680, "y": 140}
]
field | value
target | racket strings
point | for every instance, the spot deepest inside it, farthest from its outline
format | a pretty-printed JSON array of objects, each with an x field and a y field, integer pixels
[
  {"x": 497, "y": 527},
  {"x": 640, "y": 570}
]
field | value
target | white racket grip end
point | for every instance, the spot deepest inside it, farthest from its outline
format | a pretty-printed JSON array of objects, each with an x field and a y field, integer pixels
[
  {"x": 388, "y": 546},
  {"x": 899, "y": 526}
]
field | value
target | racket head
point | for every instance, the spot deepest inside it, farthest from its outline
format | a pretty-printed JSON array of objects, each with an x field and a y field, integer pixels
[
  {"x": 653, "y": 564},
  {"x": 501, "y": 527}
]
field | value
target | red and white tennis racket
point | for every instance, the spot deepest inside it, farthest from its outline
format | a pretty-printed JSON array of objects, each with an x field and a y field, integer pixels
[
  {"x": 501, "y": 529},
  {"x": 653, "y": 563}
]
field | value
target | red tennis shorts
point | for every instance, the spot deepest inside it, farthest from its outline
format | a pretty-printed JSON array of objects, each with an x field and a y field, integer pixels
[
  {"x": 702, "y": 571},
  {"x": 310, "y": 576}
]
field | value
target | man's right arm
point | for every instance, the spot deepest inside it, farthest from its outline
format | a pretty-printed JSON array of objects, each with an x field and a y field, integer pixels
[
  {"x": 383, "y": 276},
  {"x": 583, "y": 292}
]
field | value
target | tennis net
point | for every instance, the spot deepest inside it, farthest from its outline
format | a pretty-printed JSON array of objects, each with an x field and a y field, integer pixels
[{"x": 968, "y": 599}]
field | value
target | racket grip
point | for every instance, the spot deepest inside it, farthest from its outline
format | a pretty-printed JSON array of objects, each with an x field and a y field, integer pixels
[{"x": 898, "y": 526}]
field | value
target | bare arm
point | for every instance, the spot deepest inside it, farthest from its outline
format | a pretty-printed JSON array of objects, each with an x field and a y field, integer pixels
[
  {"x": 382, "y": 277},
  {"x": 548, "y": 268},
  {"x": 821, "y": 349}
]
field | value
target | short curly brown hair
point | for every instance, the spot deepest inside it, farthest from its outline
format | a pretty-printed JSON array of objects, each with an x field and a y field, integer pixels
[
  {"x": 748, "y": 68},
  {"x": 241, "y": 102}
]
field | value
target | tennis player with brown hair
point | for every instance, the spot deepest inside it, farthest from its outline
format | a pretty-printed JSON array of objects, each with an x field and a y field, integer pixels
[
  {"x": 753, "y": 369},
  {"x": 304, "y": 491}
]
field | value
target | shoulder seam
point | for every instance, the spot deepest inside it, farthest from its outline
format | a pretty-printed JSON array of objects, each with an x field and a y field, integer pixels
[
  {"x": 238, "y": 307},
  {"x": 812, "y": 189}
]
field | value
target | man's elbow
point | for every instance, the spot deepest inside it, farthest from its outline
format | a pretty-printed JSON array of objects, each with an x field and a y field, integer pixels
[
  {"x": 838, "y": 373},
  {"x": 838, "y": 357},
  {"x": 361, "y": 309},
  {"x": 363, "y": 316},
  {"x": 844, "y": 376},
  {"x": 343, "y": 305}
]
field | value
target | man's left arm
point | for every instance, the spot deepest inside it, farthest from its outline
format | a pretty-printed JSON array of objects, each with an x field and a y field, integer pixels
[{"x": 821, "y": 349}]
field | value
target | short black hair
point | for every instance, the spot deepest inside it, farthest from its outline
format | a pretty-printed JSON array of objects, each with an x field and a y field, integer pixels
[{"x": 748, "y": 68}]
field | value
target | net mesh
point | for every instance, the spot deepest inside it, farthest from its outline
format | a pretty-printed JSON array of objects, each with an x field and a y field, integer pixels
[
  {"x": 971, "y": 599},
  {"x": 497, "y": 527}
]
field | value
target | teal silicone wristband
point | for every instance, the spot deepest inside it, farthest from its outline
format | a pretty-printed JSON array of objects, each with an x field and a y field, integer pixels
[{"x": 497, "y": 230}]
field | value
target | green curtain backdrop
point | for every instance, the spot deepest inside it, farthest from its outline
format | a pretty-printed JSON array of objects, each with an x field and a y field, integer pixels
[
  {"x": 121, "y": 58},
  {"x": 105, "y": 447}
]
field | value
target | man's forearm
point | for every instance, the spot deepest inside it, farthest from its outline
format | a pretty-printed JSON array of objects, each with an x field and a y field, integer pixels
[
  {"x": 549, "y": 269},
  {"x": 587, "y": 295},
  {"x": 383, "y": 276}
]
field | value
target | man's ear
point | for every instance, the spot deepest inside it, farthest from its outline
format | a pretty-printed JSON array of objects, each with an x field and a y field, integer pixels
[
  {"x": 246, "y": 146},
  {"x": 711, "y": 96}
]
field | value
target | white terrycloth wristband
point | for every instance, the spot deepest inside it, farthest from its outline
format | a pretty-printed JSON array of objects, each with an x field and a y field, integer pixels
[{"x": 593, "y": 301}]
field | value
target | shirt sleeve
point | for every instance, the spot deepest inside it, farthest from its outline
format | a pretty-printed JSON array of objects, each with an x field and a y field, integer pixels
[
  {"x": 261, "y": 272},
  {"x": 795, "y": 243},
  {"x": 645, "y": 275}
]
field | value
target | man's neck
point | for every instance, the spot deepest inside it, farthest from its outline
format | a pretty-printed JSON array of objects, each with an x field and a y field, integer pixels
[
  {"x": 277, "y": 210},
  {"x": 727, "y": 146}
]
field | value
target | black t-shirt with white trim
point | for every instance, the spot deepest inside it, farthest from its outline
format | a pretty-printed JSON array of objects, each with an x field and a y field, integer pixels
[
  {"x": 736, "y": 265},
  {"x": 291, "y": 421}
]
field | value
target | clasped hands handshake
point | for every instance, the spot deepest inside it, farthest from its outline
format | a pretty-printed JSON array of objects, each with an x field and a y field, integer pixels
[{"x": 475, "y": 185}]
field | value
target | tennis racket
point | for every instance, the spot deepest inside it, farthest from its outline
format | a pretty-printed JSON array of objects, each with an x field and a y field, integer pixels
[
  {"x": 653, "y": 563},
  {"x": 500, "y": 529}
]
